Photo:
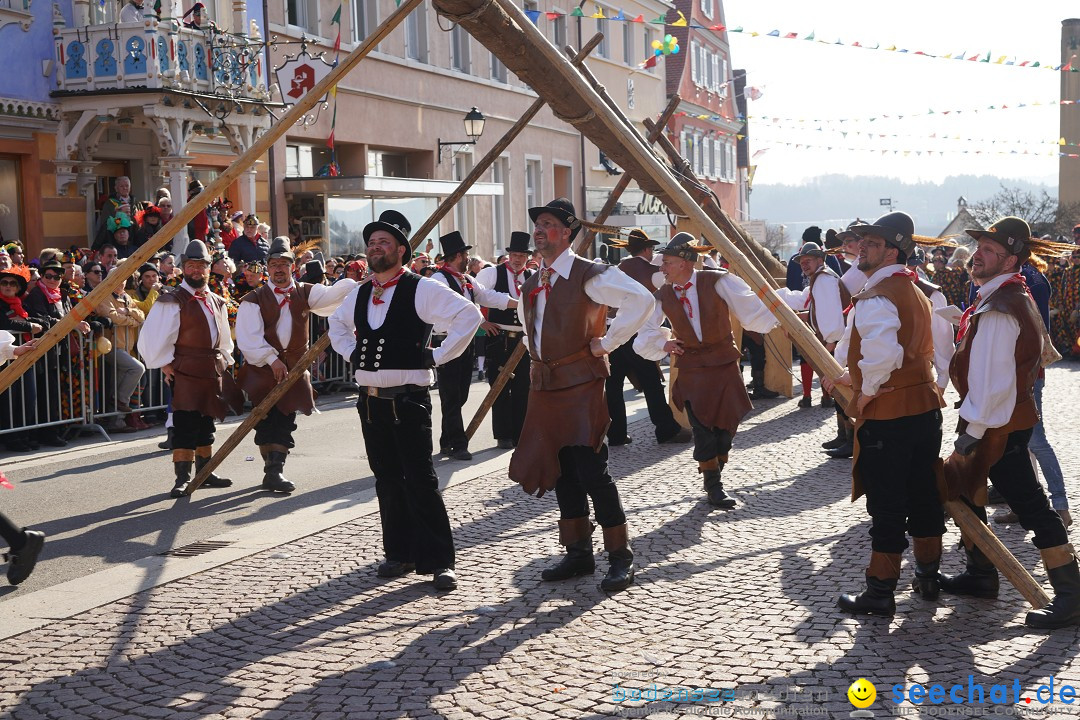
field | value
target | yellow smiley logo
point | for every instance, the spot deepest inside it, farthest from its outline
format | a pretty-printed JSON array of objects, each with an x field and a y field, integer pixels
[{"x": 862, "y": 693}]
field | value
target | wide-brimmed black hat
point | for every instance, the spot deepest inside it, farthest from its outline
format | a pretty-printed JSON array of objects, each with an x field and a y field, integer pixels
[
  {"x": 195, "y": 250},
  {"x": 812, "y": 234},
  {"x": 832, "y": 240},
  {"x": 684, "y": 245},
  {"x": 561, "y": 208},
  {"x": 520, "y": 242},
  {"x": 281, "y": 247},
  {"x": 52, "y": 263},
  {"x": 1012, "y": 233},
  {"x": 810, "y": 249},
  {"x": 452, "y": 243},
  {"x": 392, "y": 222},
  {"x": 895, "y": 228},
  {"x": 638, "y": 241}
]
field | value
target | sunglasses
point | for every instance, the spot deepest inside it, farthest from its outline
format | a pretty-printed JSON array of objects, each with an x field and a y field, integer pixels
[
  {"x": 9, "y": 283},
  {"x": 92, "y": 272},
  {"x": 51, "y": 276}
]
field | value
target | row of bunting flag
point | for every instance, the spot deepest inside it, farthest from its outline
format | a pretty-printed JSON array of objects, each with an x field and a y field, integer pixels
[
  {"x": 911, "y": 153},
  {"x": 535, "y": 15}
]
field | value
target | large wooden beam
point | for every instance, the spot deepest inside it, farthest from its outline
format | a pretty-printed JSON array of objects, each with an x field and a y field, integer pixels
[{"x": 194, "y": 206}]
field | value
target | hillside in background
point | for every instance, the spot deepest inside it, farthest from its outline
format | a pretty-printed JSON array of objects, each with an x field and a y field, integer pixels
[{"x": 836, "y": 200}]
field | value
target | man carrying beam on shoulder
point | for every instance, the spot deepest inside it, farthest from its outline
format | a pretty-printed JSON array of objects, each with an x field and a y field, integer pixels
[{"x": 709, "y": 384}]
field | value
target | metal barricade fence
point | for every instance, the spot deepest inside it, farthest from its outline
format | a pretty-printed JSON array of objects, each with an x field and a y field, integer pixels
[
  {"x": 331, "y": 372},
  {"x": 122, "y": 382},
  {"x": 54, "y": 393}
]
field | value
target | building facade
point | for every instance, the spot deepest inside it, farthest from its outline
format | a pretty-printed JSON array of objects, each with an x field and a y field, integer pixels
[{"x": 1069, "y": 168}]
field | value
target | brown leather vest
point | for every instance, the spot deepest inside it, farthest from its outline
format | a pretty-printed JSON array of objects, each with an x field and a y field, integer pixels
[
  {"x": 717, "y": 345},
  {"x": 913, "y": 383},
  {"x": 198, "y": 365},
  {"x": 1010, "y": 299},
  {"x": 641, "y": 270},
  {"x": 571, "y": 320},
  {"x": 258, "y": 381},
  {"x": 845, "y": 298}
]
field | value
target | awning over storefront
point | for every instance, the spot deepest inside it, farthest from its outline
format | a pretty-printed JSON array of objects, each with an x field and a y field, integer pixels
[{"x": 372, "y": 186}]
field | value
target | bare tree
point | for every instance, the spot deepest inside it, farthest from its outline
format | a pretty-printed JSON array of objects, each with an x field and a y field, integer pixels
[
  {"x": 776, "y": 238},
  {"x": 1041, "y": 211}
]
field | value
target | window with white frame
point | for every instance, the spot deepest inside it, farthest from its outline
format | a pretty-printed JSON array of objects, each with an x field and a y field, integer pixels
[
  {"x": 532, "y": 183},
  {"x": 699, "y": 154},
  {"x": 695, "y": 71},
  {"x": 714, "y": 146},
  {"x": 686, "y": 143},
  {"x": 733, "y": 161},
  {"x": 723, "y": 162},
  {"x": 604, "y": 48},
  {"x": 416, "y": 45},
  {"x": 303, "y": 13},
  {"x": 628, "y": 43},
  {"x": 723, "y": 76},
  {"x": 558, "y": 31},
  {"x": 707, "y": 8},
  {"x": 460, "y": 49},
  {"x": 500, "y": 174},
  {"x": 365, "y": 18},
  {"x": 498, "y": 70},
  {"x": 709, "y": 81},
  {"x": 647, "y": 47}
]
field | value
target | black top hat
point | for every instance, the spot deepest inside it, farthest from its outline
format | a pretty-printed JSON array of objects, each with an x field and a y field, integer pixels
[
  {"x": 52, "y": 263},
  {"x": 195, "y": 250},
  {"x": 392, "y": 222},
  {"x": 895, "y": 228},
  {"x": 519, "y": 242},
  {"x": 812, "y": 234},
  {"x": 281, "y": 247},
  {"x": 832, "y": 240},
  {"x": 810, "y": 249},
  {"x": 452, "y": 243},
  {"x": 1012, "y": 233},
  {"x": 638, "y": 241},
  {"x": 561, "y": 208},
  {"x": 683, "y": 245}
]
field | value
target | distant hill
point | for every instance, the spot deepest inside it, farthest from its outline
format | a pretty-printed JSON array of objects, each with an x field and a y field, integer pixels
[{"x": 836, "y": 200}]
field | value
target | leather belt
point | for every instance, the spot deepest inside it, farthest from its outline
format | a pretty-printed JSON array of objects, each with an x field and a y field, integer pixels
[{"x": 391, "y": 392}]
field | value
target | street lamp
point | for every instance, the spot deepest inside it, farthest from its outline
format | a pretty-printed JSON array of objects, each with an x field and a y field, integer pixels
[{"x": 474, "y": 128}]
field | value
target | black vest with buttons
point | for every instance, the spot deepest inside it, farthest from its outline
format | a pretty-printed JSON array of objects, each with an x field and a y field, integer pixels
[
  {"x": 502, "y": 284},
  {"x": 398, "y": 344}
]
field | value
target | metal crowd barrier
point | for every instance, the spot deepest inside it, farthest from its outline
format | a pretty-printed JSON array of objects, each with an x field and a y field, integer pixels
[{"x": 52, "y": 395}]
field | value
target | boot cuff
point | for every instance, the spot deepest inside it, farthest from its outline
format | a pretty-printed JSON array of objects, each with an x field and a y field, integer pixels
[
  {"x": 204, "y": 451},
  {"x": 927, "y": 549},
  {"x": 884, "y": 566},
  {"x": 1057, "y": 556},
  {"x": 574, "y": 530},
  {"x": 183, "y": 455},
  {"x": 617, "y": 538}
]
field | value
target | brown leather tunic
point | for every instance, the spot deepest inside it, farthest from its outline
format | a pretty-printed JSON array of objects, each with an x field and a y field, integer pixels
[
  {"x": 257, "y": 382},
  {"x": 199, "y": 366},
  {"x": 641, "y": 270},
  {"x": 967, "y": 475},
  {"x": 708, "y": 376},
  {"x": 566, "y": 396}
]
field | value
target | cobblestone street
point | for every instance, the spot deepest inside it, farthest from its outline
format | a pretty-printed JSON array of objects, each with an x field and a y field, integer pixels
[{"x": 740, "y": 601}]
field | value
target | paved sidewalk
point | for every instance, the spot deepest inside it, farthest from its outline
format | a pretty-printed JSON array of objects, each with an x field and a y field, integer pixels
[{"x": 742, "y": 601}]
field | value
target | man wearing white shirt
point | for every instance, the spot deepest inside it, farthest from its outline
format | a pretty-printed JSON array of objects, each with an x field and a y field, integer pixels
[
  {"x": 994, "y": 370},
  {"x": 709, "y": 384},
  {"x": 132, "y": 12},
  {"x": 187, "y": 335},
  {"x": 504, "y": 333},
  {"x": 562, "y": 444},
  {"x": 272, "y": 333},
  {"x": 383, "y": 327},
  {"x": 889, "y": 352},
  {"x": 455, "y": 376}
]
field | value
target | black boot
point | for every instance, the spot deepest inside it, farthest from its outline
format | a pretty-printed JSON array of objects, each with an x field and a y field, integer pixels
[
  {"x": 166, "y": 444},
  {"x": 714, "y": 488},
  {"x": 576, "y": 535},
  {"x": 847, "y": 449},
  {"x": 273, "y": 479},
  {"x": 980, "y": 579},
  {"x": 760, "y": 391},
  {"x": 1064, "y": 609},
  {"x": 211, "y": 480},
  {"x": 621, "y": 558},
  {"x": 841, "y": 435},
  {"x": 877, "y": 599},
  {"x": 927, "y": 580},
  {"x": 183, "y": 477}
]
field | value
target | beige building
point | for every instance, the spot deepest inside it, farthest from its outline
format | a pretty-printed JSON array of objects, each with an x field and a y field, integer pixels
[{"x": 1069, "y": 168}]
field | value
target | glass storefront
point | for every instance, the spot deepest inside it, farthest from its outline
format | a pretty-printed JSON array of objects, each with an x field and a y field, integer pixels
[
  {"x": 10, "y": 201},
  {"x": 348, "y": 216}
]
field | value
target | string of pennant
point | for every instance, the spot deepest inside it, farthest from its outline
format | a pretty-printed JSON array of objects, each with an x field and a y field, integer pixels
[
  {"x": 910, "y": 152},
  {"x": 906, "y": 116},
  {"x": 933, "y": 136}
]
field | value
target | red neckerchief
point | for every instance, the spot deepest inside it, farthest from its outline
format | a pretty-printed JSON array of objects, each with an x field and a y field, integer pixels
[
  {"x": 545, "y": 285},
  {"x": 685, "y": 300},
  {"x": 379, "y": 288},
  {"x": 286, "y": 292},
  {"x": 53, "y": 296},
  {"x": 462, "y": 278},
  {"x": 15, "y": 306},
  {"x": 200, "y": 295},
  {"x": 517, "y": 283},
  {"x": 966, "y": 317}
]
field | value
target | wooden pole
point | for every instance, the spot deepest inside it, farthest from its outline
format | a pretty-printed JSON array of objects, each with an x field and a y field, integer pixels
[
  {"x": 640, "y": 154},
  {"x": 259, "y": 412},
  {"x": 196, "y": 205},
  {"x": 583, "y": 242}
]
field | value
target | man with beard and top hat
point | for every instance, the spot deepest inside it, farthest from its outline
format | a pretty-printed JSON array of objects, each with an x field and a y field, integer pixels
[
  {"x": 455, "y": 376},
  {"x": 1002, "y": 343},
  {"x": 823, "y": 300},
  {"x": 383, "y": 327},
  {"x": 187, "y": 335},
  {"x": 889, "y": 351},
  {"x": 272, "y": 333},
  {"x": 627, "y": 363},
  {"x": 562, "y": 443},
  {"x": 709, "y": 384},
  {"x": 508, "y": 411}
]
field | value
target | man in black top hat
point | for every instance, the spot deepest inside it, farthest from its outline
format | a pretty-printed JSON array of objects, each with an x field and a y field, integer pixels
[
  {"x": 455, "y": 376},
  {"x": 272, "y": 333},
  {"x": 383, "y": 326},
  {"x": 508, "y": 411},
  {"x": 627, "y": 363}
]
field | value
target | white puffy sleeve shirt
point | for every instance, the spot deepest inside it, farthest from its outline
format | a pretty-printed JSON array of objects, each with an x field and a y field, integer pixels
[{"x": 157, "y": 337}]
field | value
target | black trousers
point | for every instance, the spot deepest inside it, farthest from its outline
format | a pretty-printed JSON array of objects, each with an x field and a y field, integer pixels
[
  {"x": 1014, "y": 477},
  {"x": 397, "y": 433},
  {"x": 583, "y": 474},
  {"x": 755, "y": 348},
  {"x": 624, "y": 361},
  {"x": 508, "y": 410},
  {"x": 455, "y": 377},
  {"x": 276, "y": 428},
  {"x": 11, "y": 533},
  {"x": 709, "y": 442},
  {"x": 192, "y": 429},
  {"x": 896, "y": 462}
]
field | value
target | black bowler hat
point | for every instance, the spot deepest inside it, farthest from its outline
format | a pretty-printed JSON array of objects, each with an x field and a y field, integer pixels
[
  {"x": 195, "y": 250},
  {"x": 452, "y": 243},
  {"x": 281, "y": 247},
  {"x": 895, "y": 228},
  {"x": 520, "y": 242},
  {"x": 392, "y": 222},
  {"x": 561, "y": 208}
]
